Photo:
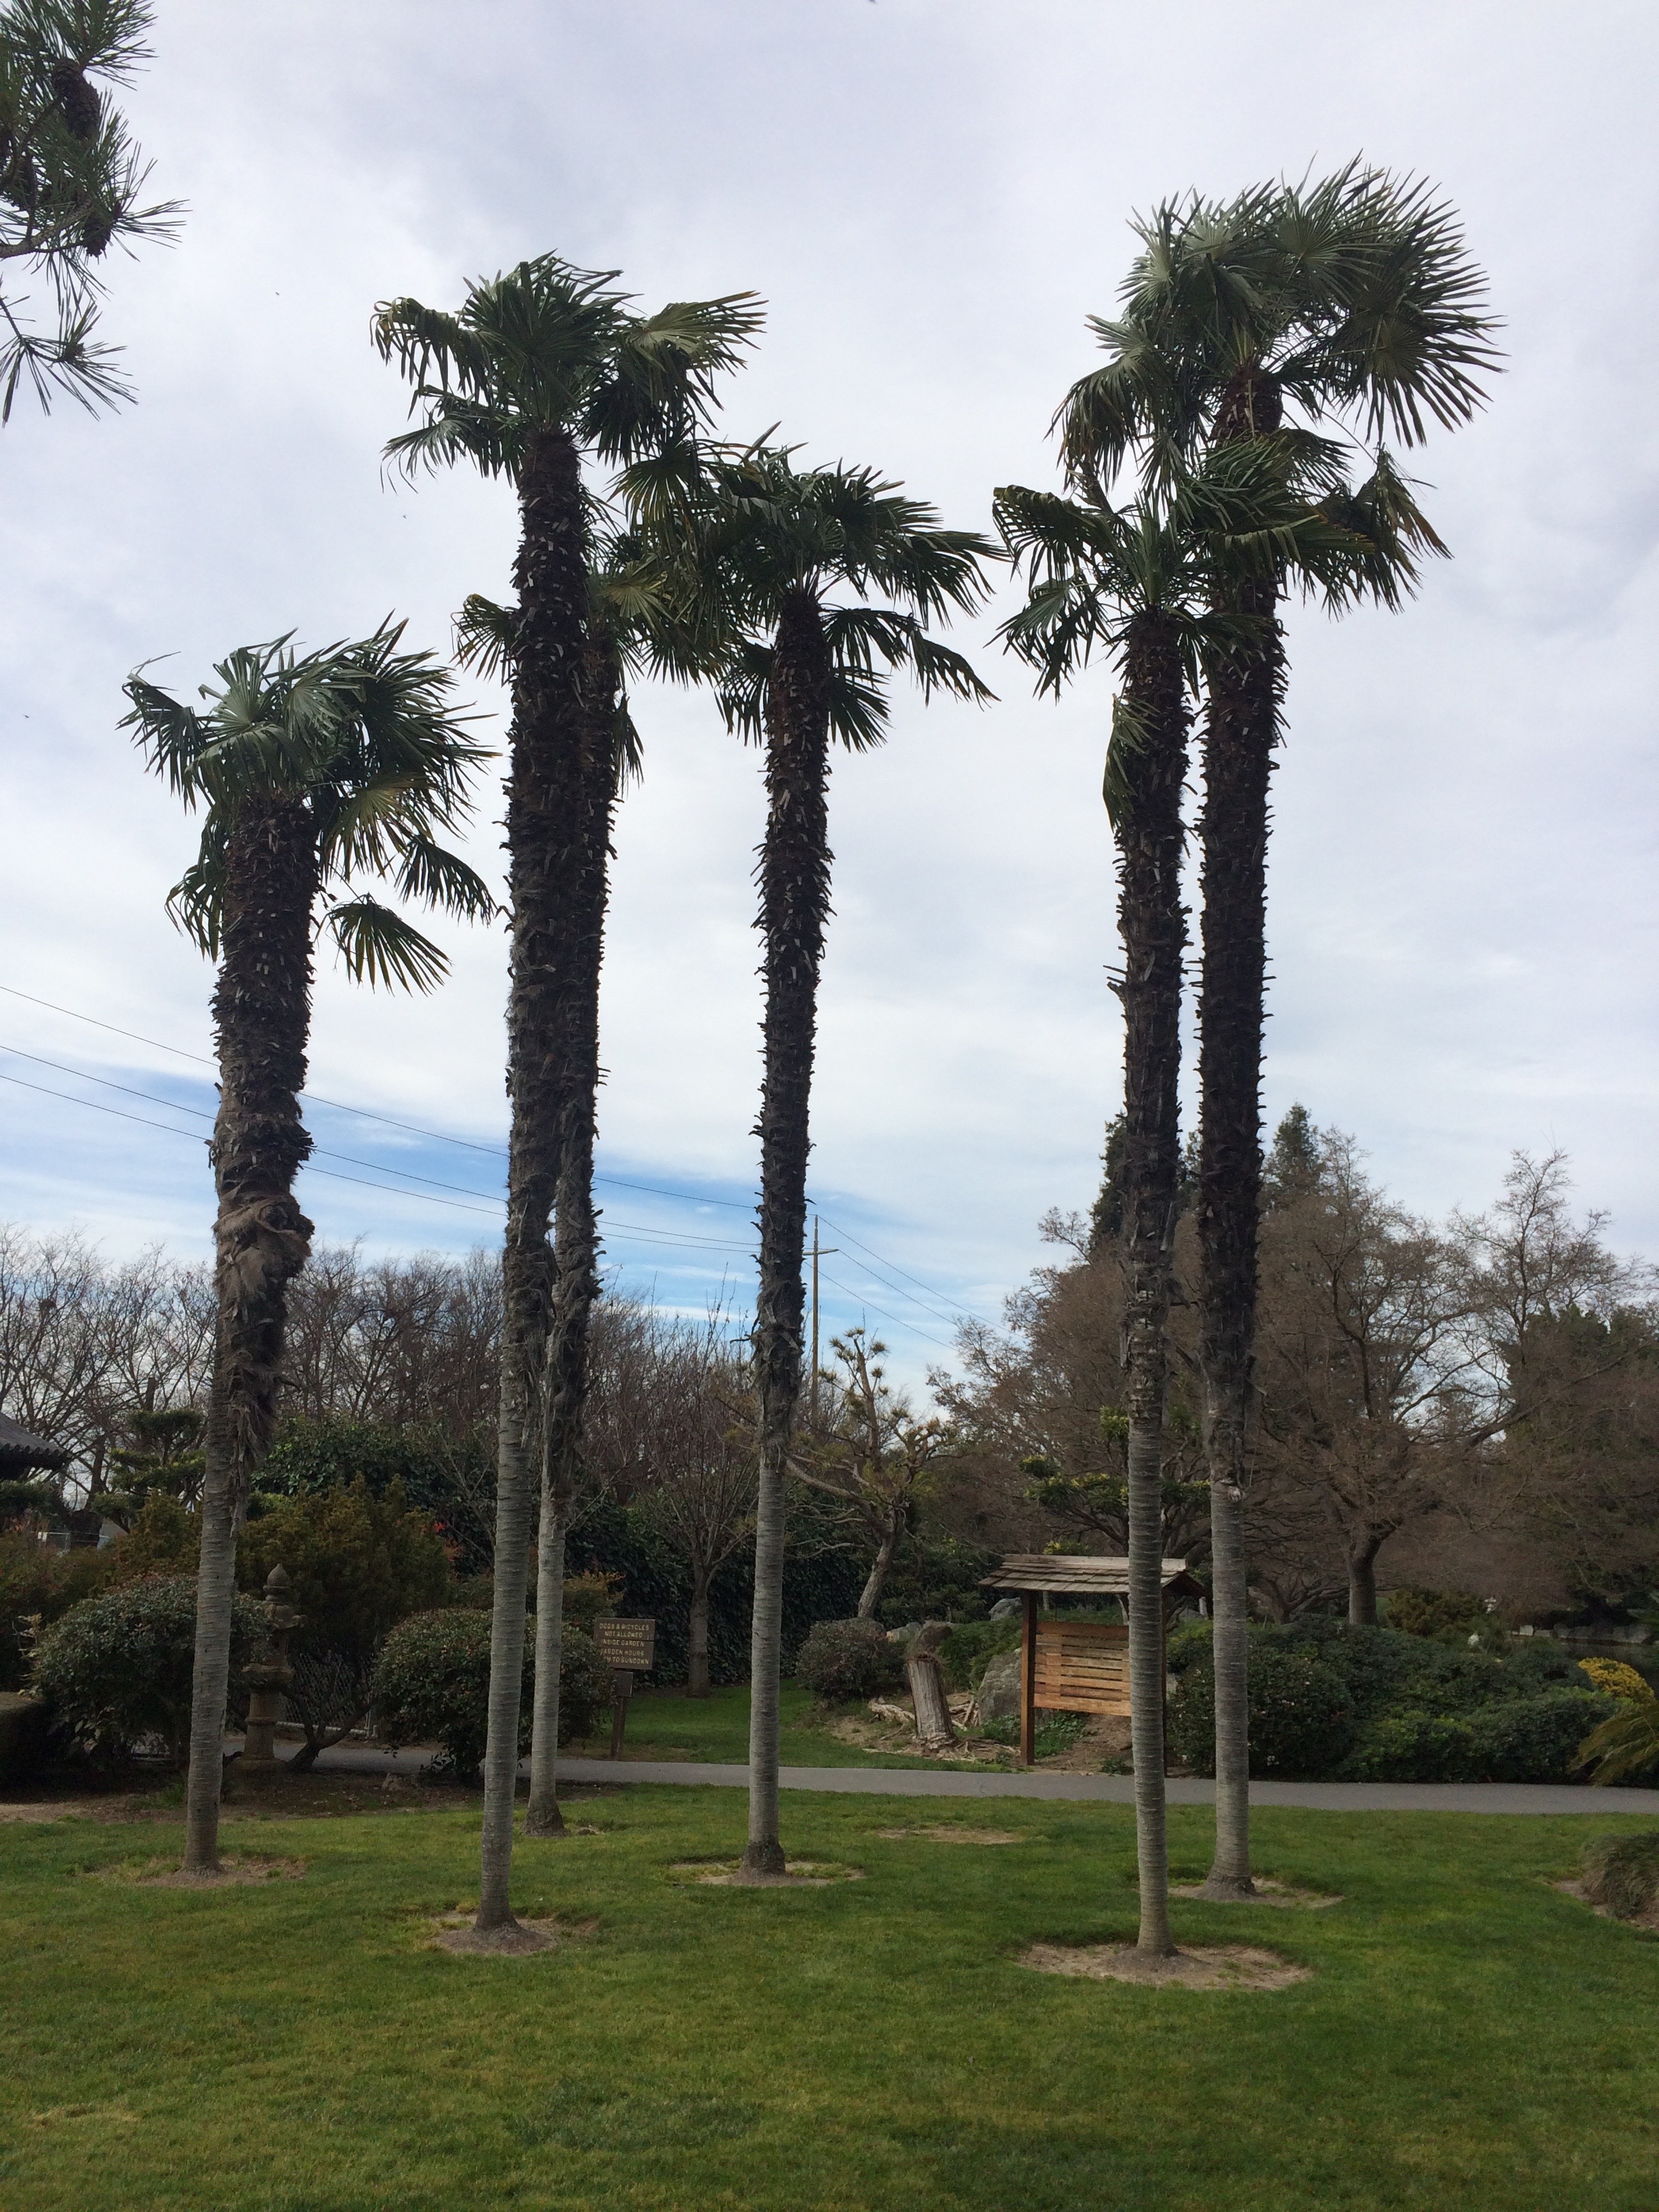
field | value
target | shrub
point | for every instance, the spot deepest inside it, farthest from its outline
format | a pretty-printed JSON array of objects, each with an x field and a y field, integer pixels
[
  {"x": 1302, "y": 1714},
  {"x": 116, "y": 1669},
  {"x": 969, "y": 1649},
  {"x": 25, "y": 1730},
  {"x": 431, "y": 1684},
  {"x": 1614, "y": 1679},
  {"x": 1535, "y": 1739},
  {"x": 845, "y": 1659},
  {"x": 38, "y": 1582},
  {"x": 1412, "y": 1746},
  {"x": 1433, "y": 1612},
  {"x": 1189, "y": 1643},
  {"x": 165, "y": 1539},
  {"x": 1622, "y": 1872}
]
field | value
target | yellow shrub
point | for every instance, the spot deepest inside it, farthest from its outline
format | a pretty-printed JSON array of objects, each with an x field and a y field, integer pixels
[{"x": 1614, "y": 1679}]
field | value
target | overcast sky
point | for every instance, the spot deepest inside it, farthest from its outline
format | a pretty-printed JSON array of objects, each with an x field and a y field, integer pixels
[{"x": 932, "y": 196}]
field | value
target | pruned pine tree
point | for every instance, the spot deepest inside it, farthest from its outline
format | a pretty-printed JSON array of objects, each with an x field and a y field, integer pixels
[
  {"x": 314, "y": 773},
  {"x": 541, "y": 370},
  {"x": 1353, "y": 301},
  {"x": 757, "y": 551},
  {"x": 71, "y": 183},
  {"x": 1139, "y": 583}
]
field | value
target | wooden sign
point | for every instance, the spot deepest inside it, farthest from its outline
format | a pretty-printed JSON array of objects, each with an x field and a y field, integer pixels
[
  {"x": 1082, "y": 1667},
  {"x": 630, "y": 1645}
]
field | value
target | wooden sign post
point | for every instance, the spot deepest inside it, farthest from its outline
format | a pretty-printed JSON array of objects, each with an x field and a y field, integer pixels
[{"x": 628, "y": 1646}]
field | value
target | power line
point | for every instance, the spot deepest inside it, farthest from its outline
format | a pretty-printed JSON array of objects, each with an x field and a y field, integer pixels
[
  {"x": 391, "y": 1190},
  {"x": 898, "y": 1320},
  {"x": 439, "y": 1136}
]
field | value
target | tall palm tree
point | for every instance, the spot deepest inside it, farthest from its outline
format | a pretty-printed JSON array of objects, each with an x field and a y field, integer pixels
[
  {"x": 1141, "y": 585},
  {"x": 1351, "y": 301},
  {"x": 541, "y": 369},
  {"x": 313, "y": 772},
  {"x": 761, "y": 548}
]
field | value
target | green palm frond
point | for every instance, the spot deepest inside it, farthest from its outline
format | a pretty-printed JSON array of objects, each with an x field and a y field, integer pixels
[
  {"x": 441, "y": 878},
  {"x": 1625, "y": 1746},
  {"x": 379, "y": 947},
  {"x": 485, "y": 637}
]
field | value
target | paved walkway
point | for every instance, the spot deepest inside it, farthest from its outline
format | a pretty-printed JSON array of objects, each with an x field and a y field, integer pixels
[{"x": 1089, "y": 1788}]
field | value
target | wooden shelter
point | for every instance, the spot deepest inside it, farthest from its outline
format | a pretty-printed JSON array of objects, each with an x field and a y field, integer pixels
[
  {"x": 1076, "y": 1665},
  {"x": 22, "y": 1454}
]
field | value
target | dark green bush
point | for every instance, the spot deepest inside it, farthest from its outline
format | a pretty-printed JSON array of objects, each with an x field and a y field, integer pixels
[
  {"x": 38, "y": 1582},
  {"x": 116, "y": 1669},
  {"x": 1432, "y": 1612},
  {"x": 937, "y": 1578},
  {"x": 1413, "y": 1746},
  {"x": 970, "y": 1647},
  {"x": 845, "y": 1659},
  {"x": 1535, "y": 1739},
  {"x": 1189, "y": 1644},
  {"x": 1622, "y": 1873},
  {"x": 1302, "y": 1714},
  {"x": 431, "y": 1684},
  {"x": 25, "y": 1736}
]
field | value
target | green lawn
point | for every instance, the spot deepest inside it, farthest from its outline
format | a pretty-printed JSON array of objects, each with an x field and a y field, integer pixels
[
  {"x": 667, "y": 1724},
  {"x": 1471, "y": 2037}
]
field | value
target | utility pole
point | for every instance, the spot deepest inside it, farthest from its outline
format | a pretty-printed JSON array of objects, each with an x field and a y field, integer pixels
[{"x": 826, "y": 1251}]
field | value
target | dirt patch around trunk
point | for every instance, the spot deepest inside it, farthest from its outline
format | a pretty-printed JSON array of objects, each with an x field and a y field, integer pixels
[
  {"x": 799, "y": 1873},
  {"x": 1267, "y": 1892},
  {"x": 454, "y": 1931},
  {"x": 233, "y": 1872},
  {"x": 945, "y": 1834},
  {"x": 1648, "y": 1921},
  {"x": 1199, "y": 1967}
]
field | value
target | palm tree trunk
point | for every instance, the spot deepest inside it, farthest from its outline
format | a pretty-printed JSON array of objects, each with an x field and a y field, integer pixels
[
  {"x": 794, "y": 873},
  {"x": 262, "y": 1011},
  {"x": 575, "y": 1245},
  {"x": 696, "y": 1654},
  {"x": 1152, "y": 921},
  {"x": 1242, "y": 727},
  {"x": 547, "y": 743},
  {"x": 542, "y": 1814}
]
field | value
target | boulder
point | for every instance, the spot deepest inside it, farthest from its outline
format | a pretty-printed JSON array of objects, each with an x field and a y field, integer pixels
[
  {"x": 999, "y": 1689},
  {"x": 1005, "y": 1608}
]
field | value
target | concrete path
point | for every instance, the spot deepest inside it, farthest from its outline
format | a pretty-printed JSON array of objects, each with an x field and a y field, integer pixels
[{"x": 1089, "y": 1788}]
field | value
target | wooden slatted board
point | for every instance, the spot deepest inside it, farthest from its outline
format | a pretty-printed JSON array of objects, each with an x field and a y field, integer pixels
[{"x": 1082, "y": 1667}]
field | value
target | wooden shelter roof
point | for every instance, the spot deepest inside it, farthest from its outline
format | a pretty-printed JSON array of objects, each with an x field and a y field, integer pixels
[
  {"x": 1062, "y": 1574},
  {"x": 20, "y": 1452}
]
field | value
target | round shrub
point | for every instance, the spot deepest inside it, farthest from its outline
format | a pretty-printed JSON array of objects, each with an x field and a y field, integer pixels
[
  {"x": 1535, "y": 1739},
  {"x": 1433, "y": 1612},
  {"x": 1302, "y": 1715},
  {"x": 431, "y": 1684},
  {"x": 1622, "y": 1874},
  {"x": 1411, "y": 1746},
  {"x": 116, "y": 1669},
  {"x": 846, "y": 1659}
]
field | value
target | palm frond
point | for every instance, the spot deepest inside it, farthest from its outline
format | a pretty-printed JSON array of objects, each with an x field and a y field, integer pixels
[
  {"x": 441, "y": 878},
  {"x": 379, "y": 947},
  {"x": 485, "y": 638}
]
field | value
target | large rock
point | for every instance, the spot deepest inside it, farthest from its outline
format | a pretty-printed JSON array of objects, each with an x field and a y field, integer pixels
[{"x": 998, "y": 1688}]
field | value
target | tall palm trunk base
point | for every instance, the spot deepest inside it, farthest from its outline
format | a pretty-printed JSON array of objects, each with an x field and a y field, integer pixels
[
  {"x": 1229, "y": 1878},
  {"x": 763, "y": 1853},
  {"x": 542, "y": 1815}
]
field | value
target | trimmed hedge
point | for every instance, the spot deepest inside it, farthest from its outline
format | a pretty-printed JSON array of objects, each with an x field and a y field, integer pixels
[
  {"x": 1331, "y": 1702},
  {"x": 431, "y": 1684},
  {"x": 846, "y": 1659},
  {"x": 116, "y": 1670}
]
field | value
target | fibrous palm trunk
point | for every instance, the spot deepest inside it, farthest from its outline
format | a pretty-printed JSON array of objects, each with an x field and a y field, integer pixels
[
  {"x": 262, "y": 1013},
  {"x": 1241, "y": 728},
  {"x": 1152, "y": 922},
  {"x": 575, "y": 1241},
  {"x": 794, "y": 875},
  {"x": 548, "y": 739}
]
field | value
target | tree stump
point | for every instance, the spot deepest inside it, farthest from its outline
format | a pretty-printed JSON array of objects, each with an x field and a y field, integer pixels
[{"x": 935, "y": 1730}]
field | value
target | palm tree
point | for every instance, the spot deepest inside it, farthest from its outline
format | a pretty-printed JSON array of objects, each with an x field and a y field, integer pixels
[
  {"x": 543, "y": 368},
  {"x": 1139, "y": 583},
  {"x": 761, "y": 546},
  {"x": 1352, "y": 299},
  {"x": 312, "y": 772}
]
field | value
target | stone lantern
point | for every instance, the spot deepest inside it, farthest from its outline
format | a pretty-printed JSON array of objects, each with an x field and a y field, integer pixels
[{"x": 268, "y": 1679}]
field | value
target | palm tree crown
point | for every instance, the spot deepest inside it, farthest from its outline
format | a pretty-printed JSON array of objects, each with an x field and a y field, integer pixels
[{"x": 362, "y": 739}]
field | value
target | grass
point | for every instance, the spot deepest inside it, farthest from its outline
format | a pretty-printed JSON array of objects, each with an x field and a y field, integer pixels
[
  {"x": 1471, "y": 2039},
  {"x": 667, "y": 1724}
]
